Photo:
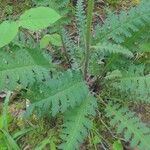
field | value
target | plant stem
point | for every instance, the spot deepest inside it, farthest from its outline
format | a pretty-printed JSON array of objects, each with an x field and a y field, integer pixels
[
  {"x": 5, "y": 112},
  {"x": 88, "y": 35},
  {"x": 65, "y": 51}
]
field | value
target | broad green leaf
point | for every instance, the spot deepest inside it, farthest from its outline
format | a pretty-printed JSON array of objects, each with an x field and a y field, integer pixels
[
  {"x": 117, "y": 145},
  {"x": 44, "y": 41},
  {"x": 145, "y": 47},
  {"x": 38, "y": 18},
  {"x": 8, "y": 31},
  {"x": 54, "y": 39}
]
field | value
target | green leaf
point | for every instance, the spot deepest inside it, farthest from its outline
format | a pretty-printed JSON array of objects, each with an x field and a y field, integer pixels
[
  {"x": 54, "y": 39},
  {"x": 77, "y": 124},
  {"x": 23, "y": 65},
  {"x": 43, "y": 144},
  {"x": 117, "y": 145},
  {"x": 38, "y": 18},
  {"x": 145, "y": 47},
  {"x": 126, "y": 122},
  {"x": 120, "y": 27},
  {"x": 136, "y": 82},
  {"x": 67, "y": 90},
  {"x": 21, "y": 133},
  {"x": 10, "y": 140},
  {"x": 114, "y": 74},
  {"x": 44, "y": 41},
  {"x": 48, "y": 141},
  {"x": 52, "y": 144},
  {"x": 3, "y": 144},
  {"x": 1, "y": 122},
  {"x": 96, "y": 140},
  {"x": 107, "y": 47},
  {"x": 8, "y": 31}
]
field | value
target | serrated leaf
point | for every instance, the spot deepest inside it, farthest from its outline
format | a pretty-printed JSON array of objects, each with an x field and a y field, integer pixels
[
  {"x": 23, "y": 65},
  {"x": 8, "y": 31},
  {"x": 77, "y": 124},
  {"x": 111, "y": 48},
  {"x": 57, "y": 95},
  {"x": 38, "y": 18},
  {"x": 125, "y": 121}
]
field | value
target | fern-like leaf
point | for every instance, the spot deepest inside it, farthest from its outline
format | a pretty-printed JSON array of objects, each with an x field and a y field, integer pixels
[
  {"x": 80, "y": 17},
  {"x": 22, "y": 66},
  {"x": 74, "y": 51},
  {"x": 57, "y": 95},
  {"x": 126, "y": 122},
  {"x": 112, "y": 48},
  {"x": 135, "y": 82},
  {"x": 138, "y": 38},
  {"x": 77, "y": 124},
  {"x": 70, "y": 46},
  {"x": 118, "y": 28}
]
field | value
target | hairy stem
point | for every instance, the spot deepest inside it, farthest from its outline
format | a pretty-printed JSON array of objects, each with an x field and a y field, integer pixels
[{"x": 88, "y": 35}]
